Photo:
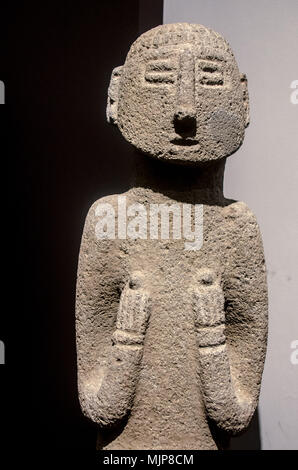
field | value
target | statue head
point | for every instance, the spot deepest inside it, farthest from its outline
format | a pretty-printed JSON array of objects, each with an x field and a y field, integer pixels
[{"x": 180, "y": 96}]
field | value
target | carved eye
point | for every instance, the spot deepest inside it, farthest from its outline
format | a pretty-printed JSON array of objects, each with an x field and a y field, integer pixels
[
  {"x": 160, "y": 72},
  {"x": 210, "y": 73},
  {"x": 211, "y": 68}
]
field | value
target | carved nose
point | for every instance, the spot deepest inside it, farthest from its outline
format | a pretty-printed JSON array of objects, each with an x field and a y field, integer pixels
[
  {"x": 185, "y": 115},
  {"x": 185, "y": 123}
]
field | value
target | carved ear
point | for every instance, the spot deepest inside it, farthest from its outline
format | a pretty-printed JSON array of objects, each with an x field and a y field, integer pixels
[
  {"x": 243, "y": 81},
  {"x": 112, "y": 104}
]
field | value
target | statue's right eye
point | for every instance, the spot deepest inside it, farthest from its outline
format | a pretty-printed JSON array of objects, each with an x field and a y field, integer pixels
[{"x": 160, "y": 72}]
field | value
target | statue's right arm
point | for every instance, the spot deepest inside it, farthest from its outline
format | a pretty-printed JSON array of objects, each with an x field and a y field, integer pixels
[{"x": 110, "y": 330}]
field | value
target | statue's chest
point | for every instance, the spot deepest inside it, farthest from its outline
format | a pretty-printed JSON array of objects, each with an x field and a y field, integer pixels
[
  {"x": 171, "y": 270},
  {"x": 174, "y": 258}
]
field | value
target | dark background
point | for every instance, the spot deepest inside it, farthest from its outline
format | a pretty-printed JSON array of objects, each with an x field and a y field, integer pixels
[{"x": 58, "y": 156}]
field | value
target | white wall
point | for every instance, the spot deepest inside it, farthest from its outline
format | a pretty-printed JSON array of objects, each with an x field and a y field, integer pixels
[{"x": 264, "y": 173}]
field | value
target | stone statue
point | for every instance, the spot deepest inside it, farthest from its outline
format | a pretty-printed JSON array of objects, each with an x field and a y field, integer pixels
[{"x": 171, "y": 328}]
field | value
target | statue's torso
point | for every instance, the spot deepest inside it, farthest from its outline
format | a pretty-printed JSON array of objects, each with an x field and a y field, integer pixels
[{"x": 168, "y": 410}]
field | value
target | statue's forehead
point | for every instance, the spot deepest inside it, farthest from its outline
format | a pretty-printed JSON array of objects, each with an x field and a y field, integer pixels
[{"x": 171, "y": 51}]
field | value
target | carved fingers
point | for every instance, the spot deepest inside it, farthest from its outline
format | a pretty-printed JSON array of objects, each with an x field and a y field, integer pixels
[
  {"x": 133, "y": 313},
  {"x": 208, "y": 306}
]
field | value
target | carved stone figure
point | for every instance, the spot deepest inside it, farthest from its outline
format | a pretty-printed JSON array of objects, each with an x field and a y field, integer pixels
[{"x": 171, "y": 336}]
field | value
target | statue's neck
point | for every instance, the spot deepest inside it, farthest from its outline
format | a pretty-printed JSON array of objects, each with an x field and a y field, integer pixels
[{"x": 200, "y": 184}]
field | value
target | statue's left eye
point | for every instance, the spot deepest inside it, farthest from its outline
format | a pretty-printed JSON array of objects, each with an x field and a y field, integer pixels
[
  {"x": 160, "y": 72},
  {"x": 210, "y": 73}
]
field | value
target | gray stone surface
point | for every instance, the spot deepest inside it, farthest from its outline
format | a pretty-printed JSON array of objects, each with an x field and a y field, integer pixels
[{"x": 171, "y": 342}]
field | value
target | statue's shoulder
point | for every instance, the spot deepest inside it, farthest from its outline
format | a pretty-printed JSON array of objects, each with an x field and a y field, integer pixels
[
  {"x": 110, "y": 200},
  {"x": 242, "y": 224},
  {"x": 240, "y": 218},
  {"x": 104, "y": 206},
  {"x": 238, "y": 212}
]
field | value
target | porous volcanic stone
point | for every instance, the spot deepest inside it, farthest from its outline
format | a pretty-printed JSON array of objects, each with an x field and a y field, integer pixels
[{"x": 171, "y": 340}]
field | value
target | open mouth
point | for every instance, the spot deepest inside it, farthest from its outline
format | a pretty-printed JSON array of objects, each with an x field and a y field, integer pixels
[{"x": 185, "y": 142}]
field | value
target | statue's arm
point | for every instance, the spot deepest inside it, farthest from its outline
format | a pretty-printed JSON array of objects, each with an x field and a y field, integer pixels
[
  {"x": 231, "y": 329},
  {"x": 110, "y": 333}
]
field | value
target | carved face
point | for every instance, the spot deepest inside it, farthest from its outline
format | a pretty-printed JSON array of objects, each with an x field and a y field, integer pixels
[{"x": 183, "y": 102}]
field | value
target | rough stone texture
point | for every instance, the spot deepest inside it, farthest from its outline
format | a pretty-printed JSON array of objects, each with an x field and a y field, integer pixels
[{"x": 171, "y": 342}]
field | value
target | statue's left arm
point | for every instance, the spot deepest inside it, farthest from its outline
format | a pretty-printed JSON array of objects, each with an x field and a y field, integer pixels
[{"x": 231, "y": 325}]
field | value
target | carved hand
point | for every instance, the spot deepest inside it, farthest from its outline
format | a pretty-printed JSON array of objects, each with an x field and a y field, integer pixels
[
  {"x": 224, "y": 402},
  {"x": 117, "y": 387},
  {"x": 133, "y": 313},
  {"x": 208, "y": 304}
]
